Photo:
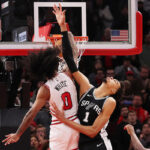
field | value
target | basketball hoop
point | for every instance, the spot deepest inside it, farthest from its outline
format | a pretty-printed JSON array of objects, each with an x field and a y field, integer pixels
[
  {"x": 56, "y": 39},
  {"x": 79, "y": 40}
]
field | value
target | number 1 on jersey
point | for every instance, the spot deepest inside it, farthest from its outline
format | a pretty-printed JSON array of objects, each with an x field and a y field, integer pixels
[
  {"x": 86, "y": 117},
  {"x": 66, "y": 97}
]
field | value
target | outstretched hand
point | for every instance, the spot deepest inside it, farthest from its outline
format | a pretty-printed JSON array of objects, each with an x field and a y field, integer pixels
[
  {"x": 60, "y": 15},
  {"x": 11, "y": 138},
  {"x": 57, "y": 113}
]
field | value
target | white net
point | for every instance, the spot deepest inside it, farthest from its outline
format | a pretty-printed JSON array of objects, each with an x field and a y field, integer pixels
[{"x": 81, "y": 50}]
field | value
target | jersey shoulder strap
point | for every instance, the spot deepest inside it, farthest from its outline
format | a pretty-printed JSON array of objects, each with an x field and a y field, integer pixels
[{"x": 90, "y": 91}]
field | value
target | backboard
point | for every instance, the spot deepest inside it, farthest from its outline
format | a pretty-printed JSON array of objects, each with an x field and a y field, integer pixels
[{"x": 112, "y": 28}]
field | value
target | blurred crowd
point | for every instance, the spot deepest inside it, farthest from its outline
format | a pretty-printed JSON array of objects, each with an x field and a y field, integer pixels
[
  {"x": 40, "y": 130},
  {"x": 134, "y": 108}
]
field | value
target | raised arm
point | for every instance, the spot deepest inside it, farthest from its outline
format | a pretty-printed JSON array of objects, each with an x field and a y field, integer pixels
[
  {"x": 67, "y": 51},
  {"x": 98, "y": 124},
  {"x": 134, "y": 139},
  {"x": 42, "y": 97}
]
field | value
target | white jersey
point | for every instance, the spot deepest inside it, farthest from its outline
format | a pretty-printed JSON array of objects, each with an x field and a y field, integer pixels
[{"x": 63, "y": 93}]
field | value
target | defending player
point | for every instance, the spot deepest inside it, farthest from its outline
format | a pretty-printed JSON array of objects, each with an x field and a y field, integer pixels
[
  {"x": 95, "y": 105},
  {"x": 58, "y": 88}
]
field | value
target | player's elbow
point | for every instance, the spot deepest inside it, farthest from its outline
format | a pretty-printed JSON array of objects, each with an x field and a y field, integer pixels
[{"x": 92, "y": 133}]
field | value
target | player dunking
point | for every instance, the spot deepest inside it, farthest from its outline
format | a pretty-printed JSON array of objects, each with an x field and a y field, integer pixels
[
  {"x": 95, "y": 105},
  {"x": 60, "y": 89}
]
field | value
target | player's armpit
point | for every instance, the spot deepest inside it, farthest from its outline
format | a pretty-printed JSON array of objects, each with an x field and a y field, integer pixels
[
  {"x": 82, "y": 81},
  {"x": 43, "y": 95}
]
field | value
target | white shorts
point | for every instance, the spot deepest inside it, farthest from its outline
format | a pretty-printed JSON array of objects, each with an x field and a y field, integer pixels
[{"x": 63, "y": 137}]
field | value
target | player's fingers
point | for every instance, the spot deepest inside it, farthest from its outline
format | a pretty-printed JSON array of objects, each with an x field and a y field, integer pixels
[
  {"x": 9, "y": 141},
  {"x": 125, "y": 128},
  {"x": 54, "y": 12},
  {"x": 7, "y": 135},
  {"x": 63, "y": 111},
  {"x": 64, "y": 11},
  {"x": 6, "y": 139},
  {"x": 60, "y": 7},
  {"x": 54, "y": 106},
  {"x": 55, "y": 7},
  {"x": 13, "y": 141},
  {"x": 6, "y": 143},
  {"x": 52, "y": 111},
  {"x": 53, "y": 114}
]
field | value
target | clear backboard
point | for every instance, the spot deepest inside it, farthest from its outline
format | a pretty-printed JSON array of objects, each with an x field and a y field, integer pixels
[{"x": 112, "y": 28}]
